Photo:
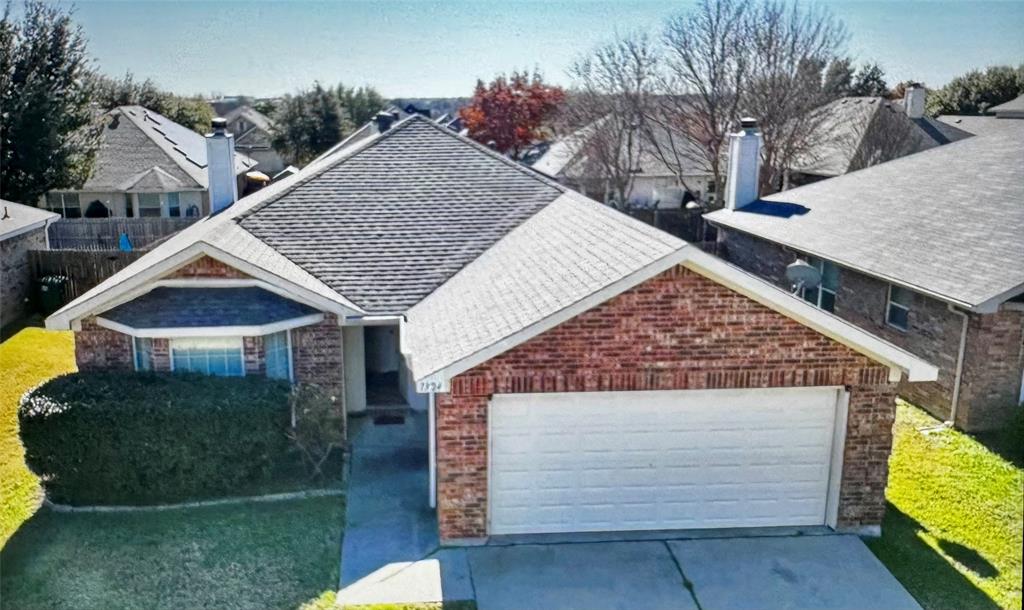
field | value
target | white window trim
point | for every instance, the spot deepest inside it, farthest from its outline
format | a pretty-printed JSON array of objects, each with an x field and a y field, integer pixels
[
  {"x": 241, "y": 346},
  {"x": 63, "y": 203},
  {"x": 815, "y": 262},
  {"x": 890, "y": 303},
  {"x": 211, "y": 331},
  {"x": 288, "y": 350}
]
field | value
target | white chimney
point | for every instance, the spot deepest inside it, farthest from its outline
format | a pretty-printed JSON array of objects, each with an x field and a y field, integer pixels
[
  {"x": 744, "y": 166},
  {"x": 913, "y": 101},
  {"x": 220, "y": 166}
]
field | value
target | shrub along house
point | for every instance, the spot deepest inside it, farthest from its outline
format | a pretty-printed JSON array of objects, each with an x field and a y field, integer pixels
[
  {"x": 554, "y": 343},
  {"x": 926, "y": 251}
]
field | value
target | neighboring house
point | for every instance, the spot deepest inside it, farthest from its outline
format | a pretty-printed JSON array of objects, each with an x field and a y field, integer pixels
[
  {"x": 146, "y": 165},
  {"x": 22, "y": 228},
  {"x": 253, "y": 133},
  {"x": 996, "y": 122},
  {"x": 383, "y": 121},
  {"x": 554, "y": 342},
  {"x": 926, "y": 251},
  {"x": 571, "y": 161},
  {"x": 857, "y": 132}
]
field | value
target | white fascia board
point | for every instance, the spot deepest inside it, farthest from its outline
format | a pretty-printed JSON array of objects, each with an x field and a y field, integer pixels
[
  {"x": 357, "y": 320},
  {"x": 443, "y": 375},
  {"x": 211, "y": 331},
  {"x": 819, "y": 320},
  {"x": 142, "y": 282},
  {"x": 22, "y": 230},
  {"x": 898, "y": 360}
]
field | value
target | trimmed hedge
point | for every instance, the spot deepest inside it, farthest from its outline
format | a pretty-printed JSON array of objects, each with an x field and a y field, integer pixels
[{"x": 116, "y": 438}]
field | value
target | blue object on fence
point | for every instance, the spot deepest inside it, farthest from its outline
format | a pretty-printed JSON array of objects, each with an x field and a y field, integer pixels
[{"x": 124, "y": 243}]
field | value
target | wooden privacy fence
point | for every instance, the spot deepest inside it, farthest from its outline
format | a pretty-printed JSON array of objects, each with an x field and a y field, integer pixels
[
  {"x": 105, "y": 233},
  {"x": 82, "y": 268}
]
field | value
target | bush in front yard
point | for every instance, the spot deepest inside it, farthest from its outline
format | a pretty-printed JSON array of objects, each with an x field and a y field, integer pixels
[{"x": 115, "y": 438}]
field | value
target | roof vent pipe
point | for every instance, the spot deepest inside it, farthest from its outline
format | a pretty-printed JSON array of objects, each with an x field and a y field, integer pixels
[
  {"x": 741, "y": 186},
  {"x": 220, "y": 166}
]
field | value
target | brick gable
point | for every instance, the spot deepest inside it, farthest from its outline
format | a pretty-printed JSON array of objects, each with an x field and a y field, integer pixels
[{"x": 678, "y": 330}]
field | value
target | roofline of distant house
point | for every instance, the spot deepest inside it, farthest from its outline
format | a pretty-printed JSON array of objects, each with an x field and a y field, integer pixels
[{"x": 990, "y": 305}]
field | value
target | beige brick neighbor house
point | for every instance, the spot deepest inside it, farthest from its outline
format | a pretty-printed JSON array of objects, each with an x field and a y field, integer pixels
[
  {"x": 926, "y": 251},
  {"x": 548, "y": 337}
]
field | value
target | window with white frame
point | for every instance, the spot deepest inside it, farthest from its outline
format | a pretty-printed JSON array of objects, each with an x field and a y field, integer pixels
[
  {"x": 173, "y": 205},
  {"x": 823, "y": 295},
  {"x": 143, "y": 354},
  {"x": 897, "y": 311},
  {"x": 65, "y": 204},
  {"x": 149, "y": 205},
  {"x": 220, "y": 356},
  {"x": 277, "y": 355}
]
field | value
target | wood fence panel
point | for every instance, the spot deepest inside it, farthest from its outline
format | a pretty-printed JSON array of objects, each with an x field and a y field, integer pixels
[
  {"x": 83, "y": 268},
  {"x": 105, "y": 233}
]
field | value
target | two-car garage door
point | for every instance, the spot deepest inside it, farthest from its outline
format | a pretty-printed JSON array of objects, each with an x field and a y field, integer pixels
[{"x": 609, "y": 461}]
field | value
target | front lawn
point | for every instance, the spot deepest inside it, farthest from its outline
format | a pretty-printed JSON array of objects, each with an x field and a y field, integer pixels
[
  {"x": 952, "y": 535},
  {"x": 27, "y": 359},
  {"x": 256, "y": 555}
]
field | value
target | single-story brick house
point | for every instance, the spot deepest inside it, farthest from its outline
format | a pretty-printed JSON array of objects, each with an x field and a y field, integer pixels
[
  {"x": 22, "y": 228},
  {"x": 580, "y": 370},
  {"x": 926, "y": 251}
]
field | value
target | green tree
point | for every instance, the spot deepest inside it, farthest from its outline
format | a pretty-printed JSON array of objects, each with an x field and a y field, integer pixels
[
  {"x": 838, "y": 79},
  {"x": 308, "y": 123},
  {"x": 362, "y": 104},
  {"x": 48, "y": 135},
  {"x": 192, "y": 112},
  {"x": 977, "y": 91},
  {"x": 870, "y": 82}
]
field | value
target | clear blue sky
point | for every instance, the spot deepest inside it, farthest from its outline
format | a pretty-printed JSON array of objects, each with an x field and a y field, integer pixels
[{"x": 439, "y": 48}]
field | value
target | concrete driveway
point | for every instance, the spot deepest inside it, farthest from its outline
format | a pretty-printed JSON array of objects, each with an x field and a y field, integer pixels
[{"x": 815, "y": 572}]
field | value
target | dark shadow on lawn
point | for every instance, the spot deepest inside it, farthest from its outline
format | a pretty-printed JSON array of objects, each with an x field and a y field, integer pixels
[
  {"x": 969, "y": 558},
  {"x": 13, "y": 328},
  {"x": 1007, "y": 442},
  {"x": 925, "y": 573}
]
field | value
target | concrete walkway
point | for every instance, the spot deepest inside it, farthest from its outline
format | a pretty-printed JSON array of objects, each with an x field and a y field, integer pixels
[{"x": 390, "y": 551}]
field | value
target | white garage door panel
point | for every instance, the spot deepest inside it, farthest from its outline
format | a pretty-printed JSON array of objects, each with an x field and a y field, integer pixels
[{"x": 660, "y": 460}]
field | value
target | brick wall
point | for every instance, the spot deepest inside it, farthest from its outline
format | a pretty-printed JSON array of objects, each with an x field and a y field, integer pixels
[
  {"x": 102, "y": 349},
  {"x": 317, "y": 356},
  {"x": 206, "y": 267},
  {"x": 16, "y": 275},
  {"x": 994, "y": 341},
  {"x": 676, "y": 331}
]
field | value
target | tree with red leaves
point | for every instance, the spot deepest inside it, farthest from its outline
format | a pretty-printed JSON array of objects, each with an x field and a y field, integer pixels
[{"x": 509, "y": 113}]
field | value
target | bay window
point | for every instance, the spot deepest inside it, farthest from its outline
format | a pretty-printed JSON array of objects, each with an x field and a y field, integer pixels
[
  {"x": 277, "y": 355},
  {"x": 220, "y": 356},
  {"x": 65, "y": 204},
  {"x": 143, "y": 354},
  {"x": 149, "y": 205}
]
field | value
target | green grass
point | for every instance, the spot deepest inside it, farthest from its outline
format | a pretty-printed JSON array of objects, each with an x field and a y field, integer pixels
[
  {"x": 27, "y": 359},
  {"x": 258, "y": 555},
  {"x": 952, "y": 535}
]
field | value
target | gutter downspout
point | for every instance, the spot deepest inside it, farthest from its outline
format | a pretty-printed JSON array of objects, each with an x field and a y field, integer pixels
[
  {"x": 951, "y": 422},
  {"x": 432, "y": 449}
]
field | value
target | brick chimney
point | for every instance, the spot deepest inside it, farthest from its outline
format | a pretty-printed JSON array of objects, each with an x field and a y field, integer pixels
[
  {"x": 913, "y": 101},
  {"x": 741, "y": 186},
  {"x": 220, "y": 166}
]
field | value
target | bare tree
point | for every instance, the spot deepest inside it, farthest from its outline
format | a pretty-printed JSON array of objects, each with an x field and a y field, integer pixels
[
  {"x": 788, "y": 48},
  {"x": 604, "y": 112}
]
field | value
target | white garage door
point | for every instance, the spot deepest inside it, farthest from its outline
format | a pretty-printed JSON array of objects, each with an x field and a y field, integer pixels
[{"x": 610, "y": 461}]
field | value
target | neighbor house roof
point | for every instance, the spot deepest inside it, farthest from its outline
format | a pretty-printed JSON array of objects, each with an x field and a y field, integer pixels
[
  {"x": 258, "y": 130},
  {"x": 492, "y": 251},
  {"x": 856, "y": 132},
  {"x": 946, "y": 222},
  {"x": 981, "y": 125},
  {"x": 180, "y": 307},
  {"x": 1014, "y": 106},
  {"x": 16, "y": 218},
  {"x": 135, "y": 141}
]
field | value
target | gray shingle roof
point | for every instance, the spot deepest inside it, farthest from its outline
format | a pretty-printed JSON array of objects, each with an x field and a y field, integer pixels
[
  {"x": 136, "y": 140},
  {"x": 1014, "y": 105},
  {"x": 855, "y": 132},
  {"x": 947, "y": 221},
  {"x": 386, "y": 226},
  {"x": 567, "y": 251},
  {"x": 20, "y": 218},
  {"x": 981, "y": 125},
  {"x": 165, "y": 307}
]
